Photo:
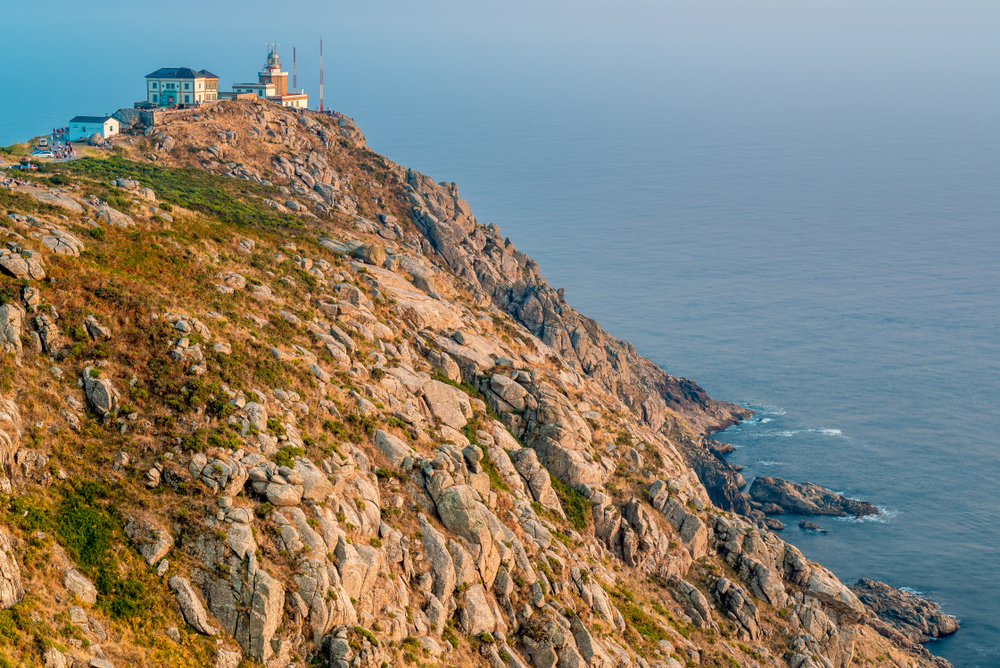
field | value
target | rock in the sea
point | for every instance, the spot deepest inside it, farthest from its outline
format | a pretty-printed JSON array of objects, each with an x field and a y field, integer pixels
[
  {"x": 916, "y": 618},
  {"x": 811, "y": 526},
  {"x": 807, "y": 498}
]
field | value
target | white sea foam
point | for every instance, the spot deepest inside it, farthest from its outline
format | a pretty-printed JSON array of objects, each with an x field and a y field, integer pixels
[
  {"x": 886, "y": 515},
  {"x": 766, "y": 463},
  {"x": 908, "y": 590}
]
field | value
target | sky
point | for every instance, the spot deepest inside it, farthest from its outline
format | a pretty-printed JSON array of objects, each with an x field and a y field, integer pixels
[{"x": 385, "y": 52}]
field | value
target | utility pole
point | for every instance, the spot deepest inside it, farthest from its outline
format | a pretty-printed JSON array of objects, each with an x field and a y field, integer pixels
[
  {"x": 321, "y": 75},
  {"x": 295, "y": 76}
]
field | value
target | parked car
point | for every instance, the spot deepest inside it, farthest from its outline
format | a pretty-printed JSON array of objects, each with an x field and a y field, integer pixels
[{"x": 43, "y": 154}]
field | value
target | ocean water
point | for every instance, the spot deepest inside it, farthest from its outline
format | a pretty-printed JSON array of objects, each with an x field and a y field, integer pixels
[{"x": 795, "y": 204}]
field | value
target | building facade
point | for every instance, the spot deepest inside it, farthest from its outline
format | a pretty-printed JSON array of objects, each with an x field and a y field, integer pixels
[
  {"x": 82, "y": 127},
  {"x": 172, "y": 86},
  {"x": 272, "y": 85}
]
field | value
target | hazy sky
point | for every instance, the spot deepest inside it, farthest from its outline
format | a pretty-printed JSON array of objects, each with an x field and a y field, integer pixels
[{"x": 90, "y": 60}]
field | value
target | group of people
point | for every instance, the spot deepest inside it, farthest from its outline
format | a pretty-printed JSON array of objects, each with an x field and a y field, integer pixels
[
  {"x": 64, "y": 151},
  {"x": 9, "y": 182}
]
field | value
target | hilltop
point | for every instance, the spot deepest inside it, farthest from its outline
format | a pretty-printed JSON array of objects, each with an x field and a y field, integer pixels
[{"x": 270, "y": 397}]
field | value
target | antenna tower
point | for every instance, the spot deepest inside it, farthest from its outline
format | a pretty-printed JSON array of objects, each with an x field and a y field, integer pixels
[
  {"x": 295, "y": 76},
  {"x": 321, "y": 75}
]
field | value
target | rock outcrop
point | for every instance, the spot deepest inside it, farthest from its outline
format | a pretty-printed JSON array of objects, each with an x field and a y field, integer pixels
[
  {"x": 361, "y": 430},
  {"x": 916, "y": 618},
  {"x": 11, "y": 589},
  {"x": 806, "y": 499}
]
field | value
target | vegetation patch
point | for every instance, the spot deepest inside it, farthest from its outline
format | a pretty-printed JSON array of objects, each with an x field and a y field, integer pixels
[
  {"x": 229, "y": 200},
  {"x": 575, "y": 505}
]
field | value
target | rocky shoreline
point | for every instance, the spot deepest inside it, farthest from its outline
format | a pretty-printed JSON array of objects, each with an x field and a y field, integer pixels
[
  {"x": 774, "y": 496},
  {"x": 914, "y": 617},
  {"x": 359, "y": 429}
]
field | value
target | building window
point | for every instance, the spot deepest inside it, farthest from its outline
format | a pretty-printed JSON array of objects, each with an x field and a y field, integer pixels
[
  {"x": 154, "y": 97},
  {"x": 187, "y": 98},
  {"x": 154, "y": 85}
]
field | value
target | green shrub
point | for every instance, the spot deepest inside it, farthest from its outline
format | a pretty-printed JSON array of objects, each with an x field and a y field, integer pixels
[
  {"x": 287, "y": 454},
  {"x": 90, "y": 533},
  {"x": 575, "y": 505}
]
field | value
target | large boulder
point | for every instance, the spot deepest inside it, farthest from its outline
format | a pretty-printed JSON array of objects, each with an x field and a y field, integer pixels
[
  {"x": 394, "y": 449},
  {"x": 11, "y": 430},
  {"x": 101, "y": 394},
  {"x": 283, "y": 494},
  {"x": 266, "y": 606},
  {"x": 315, "y": 485},
  {"x": 462, "y": 513},
  {"x": 151, "y": 540},
  {"x": 11, "y": 589},
  {"x": 11, "y": 324},
  {"x": 824, "y": 586},
  {"x": 448, "y": 404},
  {"x": 370, "y": 254},
  {"x": 442, "y": 564},
  {"x": 114, "y": 217},
  {"x": 508, "y": 390},
  {"x": 537, "y": 478},
  {"x": 77, "y": 583},
  {"x": 61, "y": 242},
  {"x": 480, "y": 612},
  {"x": 256, "y": 415},
  {"x": 23, "y": 265},
  {"x": 191, "y": 607}
]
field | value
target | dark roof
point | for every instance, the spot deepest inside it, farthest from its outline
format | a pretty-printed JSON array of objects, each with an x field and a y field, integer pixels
[
  {"x": 179, "y": 73},
  {"x": 89, "y": 119}
]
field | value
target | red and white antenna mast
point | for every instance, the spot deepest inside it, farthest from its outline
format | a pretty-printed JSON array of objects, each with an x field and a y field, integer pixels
[
  {"x": 295, "y": 76},
  {"x": 321, "y": 75}
]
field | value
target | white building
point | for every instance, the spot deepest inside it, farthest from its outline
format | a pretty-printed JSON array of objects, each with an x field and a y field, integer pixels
[
  {"x": 258, "y": 89},
  {"x": 171, "y": 86},
  {"x": 82, "y": 127}
]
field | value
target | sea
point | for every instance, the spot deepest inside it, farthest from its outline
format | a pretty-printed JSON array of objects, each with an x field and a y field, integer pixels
[{"x": 794, "y": 203}]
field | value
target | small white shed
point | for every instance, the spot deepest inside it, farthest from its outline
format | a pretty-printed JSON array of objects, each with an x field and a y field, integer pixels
[{"x": 81, "y": 127}]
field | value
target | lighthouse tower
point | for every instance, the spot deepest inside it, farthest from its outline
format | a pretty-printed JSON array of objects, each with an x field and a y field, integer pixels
[
  {"x": 273, "y": 74},
  {"x": 272, "y": 84}
]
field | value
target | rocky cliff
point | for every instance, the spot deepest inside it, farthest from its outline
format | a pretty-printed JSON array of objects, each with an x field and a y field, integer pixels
[{"x": 270, "y": 398}]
